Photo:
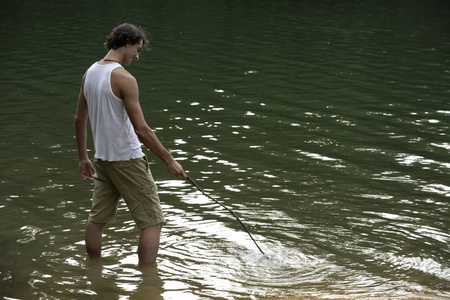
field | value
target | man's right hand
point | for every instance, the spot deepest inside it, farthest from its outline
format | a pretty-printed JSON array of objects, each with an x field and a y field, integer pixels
[{"x": 87, "y": 169}]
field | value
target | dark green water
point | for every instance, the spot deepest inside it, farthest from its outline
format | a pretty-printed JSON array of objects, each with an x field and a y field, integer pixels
[{"x": 323, "y": 124}]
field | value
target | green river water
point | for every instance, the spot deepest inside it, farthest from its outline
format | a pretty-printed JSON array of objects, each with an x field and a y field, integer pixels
[{"x": 323, "y": 124}]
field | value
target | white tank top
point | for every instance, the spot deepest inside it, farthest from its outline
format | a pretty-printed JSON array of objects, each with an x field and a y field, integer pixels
[{"x": 113, "y": 133}]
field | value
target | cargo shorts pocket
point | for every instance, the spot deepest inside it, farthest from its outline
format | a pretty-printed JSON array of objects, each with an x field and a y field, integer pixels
[
  {"x": 149, "y": 194},
  {"x": 146, "y": 196},
  {"x": 147, "y": 211}
]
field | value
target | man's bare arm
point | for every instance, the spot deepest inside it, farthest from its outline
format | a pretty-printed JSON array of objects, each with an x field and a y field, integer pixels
[
  {"x": 81, "y": 116},
  {"x": 125, "y": 85}
]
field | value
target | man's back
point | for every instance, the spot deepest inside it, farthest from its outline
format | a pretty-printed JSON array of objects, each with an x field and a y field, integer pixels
[{"x": 114, "y": 136}]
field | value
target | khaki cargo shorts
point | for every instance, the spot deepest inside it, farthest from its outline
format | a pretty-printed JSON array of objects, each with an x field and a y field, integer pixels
[{"x": 130, "y": 180}]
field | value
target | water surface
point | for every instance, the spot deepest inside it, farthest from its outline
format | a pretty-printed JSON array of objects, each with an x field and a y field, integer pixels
[{"x": 324, "y": 125}]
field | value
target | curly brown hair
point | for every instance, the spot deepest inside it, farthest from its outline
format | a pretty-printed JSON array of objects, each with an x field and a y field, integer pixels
[{"x": 126, "y": 34}]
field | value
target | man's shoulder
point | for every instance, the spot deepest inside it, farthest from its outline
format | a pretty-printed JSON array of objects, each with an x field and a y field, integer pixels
[
  {"x": 122, "y": 75},
  {"x": 122, "y": 83}
]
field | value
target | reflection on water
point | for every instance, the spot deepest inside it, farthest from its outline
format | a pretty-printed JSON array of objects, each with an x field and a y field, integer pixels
[{"x": 323, "y": 125}]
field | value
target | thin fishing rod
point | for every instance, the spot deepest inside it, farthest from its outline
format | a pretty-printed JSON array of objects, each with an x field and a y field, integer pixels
[{"x": 243, "y": 225}]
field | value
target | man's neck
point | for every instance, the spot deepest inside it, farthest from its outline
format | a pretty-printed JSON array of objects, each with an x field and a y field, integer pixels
[{"x": 113, "y": 56}]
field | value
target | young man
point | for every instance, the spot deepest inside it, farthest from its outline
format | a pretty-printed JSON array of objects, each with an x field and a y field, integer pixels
[{"x": 109, "y": 97}]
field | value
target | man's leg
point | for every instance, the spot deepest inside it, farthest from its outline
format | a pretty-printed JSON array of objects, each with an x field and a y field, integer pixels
[
  {"x": 149, "y": 244},
  {"x": 93, "y": 238}
]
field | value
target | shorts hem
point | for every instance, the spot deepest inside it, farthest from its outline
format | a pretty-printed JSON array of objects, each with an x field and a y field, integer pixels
[
  {"x": 94, "y": 220},
  {"x": 150, "y": 224}
]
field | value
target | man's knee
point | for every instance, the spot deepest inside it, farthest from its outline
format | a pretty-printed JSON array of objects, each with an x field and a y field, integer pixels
[{"x": 93, "y": 238}]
